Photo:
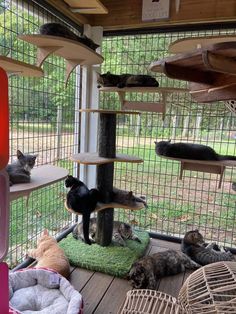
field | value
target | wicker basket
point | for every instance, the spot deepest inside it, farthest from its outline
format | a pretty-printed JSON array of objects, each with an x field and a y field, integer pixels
[
  {"x": 231, "y": 105},
  {"x": 210, "y": 289},
  {"x": 144, "y": 301}
]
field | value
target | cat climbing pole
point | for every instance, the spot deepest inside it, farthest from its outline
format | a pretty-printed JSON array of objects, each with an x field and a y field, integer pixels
[{"x": 104, "y": 160}]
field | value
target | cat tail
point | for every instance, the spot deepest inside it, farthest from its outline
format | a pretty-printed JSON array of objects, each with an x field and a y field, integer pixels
[{"x": 226, "y": 157}]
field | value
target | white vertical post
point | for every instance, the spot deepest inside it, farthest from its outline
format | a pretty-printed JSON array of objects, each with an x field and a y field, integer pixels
[{"x": 89, "y": 99}]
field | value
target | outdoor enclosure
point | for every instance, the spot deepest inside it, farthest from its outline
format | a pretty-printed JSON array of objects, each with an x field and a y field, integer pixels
[{"x": 45, "y": 120}]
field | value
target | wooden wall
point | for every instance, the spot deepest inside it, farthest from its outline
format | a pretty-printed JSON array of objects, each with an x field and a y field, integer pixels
[{"x": 127, "y": 14}]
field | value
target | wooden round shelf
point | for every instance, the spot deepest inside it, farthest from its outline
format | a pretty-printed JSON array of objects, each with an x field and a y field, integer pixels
[
  {"x": 144, "y": 89},
  {"x": 63, "y": 47},
  {"x": 192, "y": 43},
  {"x": 19, "y": 68},
  {"x": 40, "y": 177},
  {"x": 109, "y": 111},
  {"x": 101, "y": 206},
  {"x": 94, "y": 159}
]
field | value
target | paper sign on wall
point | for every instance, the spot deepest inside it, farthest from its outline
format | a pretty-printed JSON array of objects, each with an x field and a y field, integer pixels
[{"x": 155, "y": 10}]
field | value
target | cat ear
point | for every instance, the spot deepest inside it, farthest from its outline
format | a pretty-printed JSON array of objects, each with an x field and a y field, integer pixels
[
  {"x": 155, "y": 142},
  {"x": 130, "y": 194},
  {"x": 169, "y": 141},
  {"x": 45, "y": 232},
  {"x": 108, "y": 72},
  {"x": 19, "y": 154}
]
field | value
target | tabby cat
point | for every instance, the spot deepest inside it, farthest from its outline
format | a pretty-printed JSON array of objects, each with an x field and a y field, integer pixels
[
  {"x": 125, "y": 80},
  {"x": 19, "y": 171},
  {"x": 189, "y": 151},
  {"x": 195, "y": 247},
  {"x": 57, "y": 29},
  {"x": 146, "y": 271},
  {"x": 81, "y": 200},
  {"x": 126, "y": 198},
  {"x": 121, "y": 232}
]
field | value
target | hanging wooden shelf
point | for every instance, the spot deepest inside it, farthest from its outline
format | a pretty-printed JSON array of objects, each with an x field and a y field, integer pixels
[
  {"x": 189, "y": 44},
  {"x": 40, "y": 177},
  {"x": 87, "y": 6},
  {"x": 94, "y": 159},
  {"x": 210, "y": 71},
  {"x": 101, "y": 206},
  {"x": 73, "y": 52},
  {"x": 216, "y": 167},
  {"x": 141, "y": 105},
  {"x": 12, "y": 66}
]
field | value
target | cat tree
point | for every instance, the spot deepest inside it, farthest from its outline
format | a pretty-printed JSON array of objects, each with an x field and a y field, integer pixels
[{"x": 104, "y": 160}]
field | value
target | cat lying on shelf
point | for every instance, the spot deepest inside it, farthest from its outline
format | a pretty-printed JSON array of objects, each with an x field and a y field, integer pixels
[
  {"x": 57, "y": 29},
  {"x": 126, "y": 197},
  {"x": 189, "y": 151},
  {"x": 121, "y": 232},
  {"x": 49, "y": 255},
  {"x": 19, "y": 171},
  {"x": 145, "y": 272},
  {"x": 125, "y": 80},
  {"x": 195, "y": 247},
  {"x": 82, "y": 201}
]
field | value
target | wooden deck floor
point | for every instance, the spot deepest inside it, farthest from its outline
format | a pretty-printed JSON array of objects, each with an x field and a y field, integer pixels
[{"x": 104, "y": 294}]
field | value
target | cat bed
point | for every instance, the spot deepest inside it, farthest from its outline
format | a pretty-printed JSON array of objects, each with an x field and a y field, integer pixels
[
  {"x": 145, "y": 301},
  {"x": 42, "y": 291},
  {"x": 113, "y": 260}
]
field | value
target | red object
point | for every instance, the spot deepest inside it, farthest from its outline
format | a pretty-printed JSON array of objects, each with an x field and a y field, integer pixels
[{"x": 4, "y": 120}]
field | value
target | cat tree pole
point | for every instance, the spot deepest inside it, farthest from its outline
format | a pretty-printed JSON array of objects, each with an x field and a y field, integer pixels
[{"x": 105, "y": 173}]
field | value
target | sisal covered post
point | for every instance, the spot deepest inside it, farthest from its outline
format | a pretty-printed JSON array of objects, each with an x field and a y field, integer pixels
[{"x": 105, "y": 172}]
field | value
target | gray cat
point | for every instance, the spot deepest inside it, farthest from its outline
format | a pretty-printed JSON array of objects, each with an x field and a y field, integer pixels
[
  {"x": 19, "y": 171},
  {"x": 195, "y": 247},
  {"x": 146, "y": 271},
  {"x": 121, "y": 232}
]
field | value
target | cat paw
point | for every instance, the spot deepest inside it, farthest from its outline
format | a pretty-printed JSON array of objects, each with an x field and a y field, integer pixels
[{"x": 88, "y": 242}]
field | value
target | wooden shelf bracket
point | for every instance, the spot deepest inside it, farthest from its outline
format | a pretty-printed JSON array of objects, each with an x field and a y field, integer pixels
[{"x": 44, "y": 52}]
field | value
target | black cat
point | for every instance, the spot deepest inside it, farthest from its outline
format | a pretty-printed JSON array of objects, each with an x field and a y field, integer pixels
[
  {"x": 125, "y": 80},
  {"x": 19, "y": 171},
  {"x": 189, "y": 151},
  {"x": 57, "y": 29},
  {"x": 82, "y": 201}
]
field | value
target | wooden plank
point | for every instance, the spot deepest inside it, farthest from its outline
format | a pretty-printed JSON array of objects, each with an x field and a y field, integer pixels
[
  {"x": 94, "y": 159},
  {"x": 94, "y": 291},
  {"x": 79, "y": 278},
  {"x": 66, "y": 48},
  {"x": 127, "y": 14},
  {"x": 144, "y": 89},
  {"x": 64, "y": 8},
  {"x": 188, "y": 44},
  {"x": 144, "y": 106},
  {"x": 227, "y": 163},
  {"x": 40, "y": 177},
  {"x": 109, "y": 111},
  {"x": 20, "y": 68},
  {"x": 87, "y": 6},
  {"x": 171, "y": 284},
  {"x": 165, "y": 244},
  {"x": 114, "y": 297}
]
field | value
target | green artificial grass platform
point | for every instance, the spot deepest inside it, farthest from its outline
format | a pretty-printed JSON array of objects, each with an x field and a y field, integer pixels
[{"x": 113, "y": 259}]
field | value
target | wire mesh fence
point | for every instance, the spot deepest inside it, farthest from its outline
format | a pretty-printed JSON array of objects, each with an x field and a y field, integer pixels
[
  {"x": 42, "y": 121},
  {"x": 174, "y": 206}
]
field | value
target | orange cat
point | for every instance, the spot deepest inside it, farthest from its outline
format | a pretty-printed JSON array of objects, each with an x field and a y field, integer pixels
[{"x": 49, "y": 255}]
